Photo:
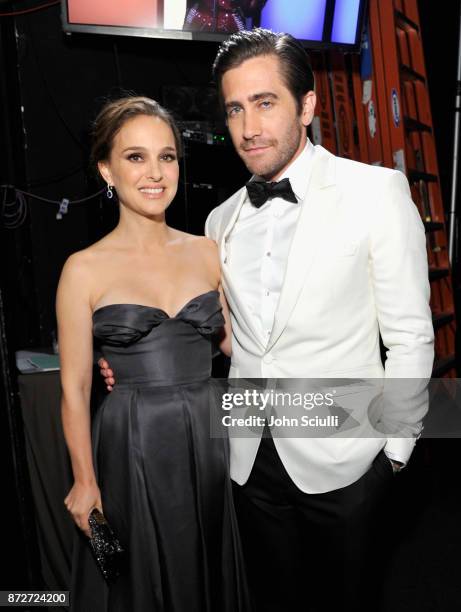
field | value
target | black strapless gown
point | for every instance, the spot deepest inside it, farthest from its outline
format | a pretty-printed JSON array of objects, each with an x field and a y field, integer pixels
[{"x": 164, "y": 481}]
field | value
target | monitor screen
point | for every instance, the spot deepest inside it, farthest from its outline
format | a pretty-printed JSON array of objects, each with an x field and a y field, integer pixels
[{"x": 317, "y": 23}]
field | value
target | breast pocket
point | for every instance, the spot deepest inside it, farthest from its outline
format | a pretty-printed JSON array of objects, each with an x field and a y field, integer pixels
[{"x": 347, "y": 248}]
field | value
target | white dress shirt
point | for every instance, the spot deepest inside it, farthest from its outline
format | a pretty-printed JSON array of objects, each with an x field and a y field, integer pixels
[{"x": 259, "y": 243}]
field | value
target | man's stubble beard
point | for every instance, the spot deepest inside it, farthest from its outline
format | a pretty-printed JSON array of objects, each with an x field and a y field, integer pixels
[{"x": 285, "y": 149}]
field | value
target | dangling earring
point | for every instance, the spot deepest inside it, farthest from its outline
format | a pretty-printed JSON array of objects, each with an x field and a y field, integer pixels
[{"x": 109, "y": 192}]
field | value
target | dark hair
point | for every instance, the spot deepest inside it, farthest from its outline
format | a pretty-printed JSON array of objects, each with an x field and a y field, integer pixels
[
  {"x": 295, "y": 66},
  {"x": 115, "y": 114}
]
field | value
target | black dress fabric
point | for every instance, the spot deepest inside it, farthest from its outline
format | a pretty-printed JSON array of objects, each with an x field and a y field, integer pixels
[{"x": 164, "y": 481}]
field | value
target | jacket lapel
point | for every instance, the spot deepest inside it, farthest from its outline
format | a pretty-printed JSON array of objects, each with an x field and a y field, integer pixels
[{"x": 311, "y": 228}]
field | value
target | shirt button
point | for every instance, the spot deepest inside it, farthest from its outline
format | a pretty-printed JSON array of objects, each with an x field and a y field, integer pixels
[
  {"x": 267, "y": 293},
  {"x": 268, "y": 254},
  {"x": 268, "y": 358}
]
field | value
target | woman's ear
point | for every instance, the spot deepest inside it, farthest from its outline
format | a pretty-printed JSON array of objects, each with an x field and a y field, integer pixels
[{"x": 105, "y": 172}]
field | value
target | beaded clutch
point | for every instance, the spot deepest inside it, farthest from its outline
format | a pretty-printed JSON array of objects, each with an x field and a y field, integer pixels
[{"x": 106, "y": 547}]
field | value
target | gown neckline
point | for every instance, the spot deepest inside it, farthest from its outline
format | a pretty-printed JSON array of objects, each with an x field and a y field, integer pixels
[{"x": 212, "y": 291}]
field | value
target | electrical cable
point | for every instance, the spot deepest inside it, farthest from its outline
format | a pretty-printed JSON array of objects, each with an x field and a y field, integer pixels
[
  {"x": 30, "y": 10},
  {"x": 14, "y": 218}
]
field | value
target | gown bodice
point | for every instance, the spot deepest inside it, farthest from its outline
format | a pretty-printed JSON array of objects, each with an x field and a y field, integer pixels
[{"x": 145, "y": 346}]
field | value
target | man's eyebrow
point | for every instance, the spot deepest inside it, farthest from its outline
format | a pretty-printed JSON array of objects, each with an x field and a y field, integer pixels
[
  {"x": 264, "y": 94},
  {"x": 253, "y": 98}
]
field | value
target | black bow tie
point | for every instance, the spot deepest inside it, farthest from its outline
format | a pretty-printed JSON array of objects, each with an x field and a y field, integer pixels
[{"x": 260, "y": 191}]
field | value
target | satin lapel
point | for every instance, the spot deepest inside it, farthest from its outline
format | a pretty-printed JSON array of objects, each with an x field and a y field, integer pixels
[
  {"x": 236, "y": 304},
  {"x": 312, "y": 228}
]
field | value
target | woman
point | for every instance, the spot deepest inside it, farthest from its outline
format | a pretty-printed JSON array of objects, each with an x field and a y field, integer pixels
[{"x": 151, "y": 296}]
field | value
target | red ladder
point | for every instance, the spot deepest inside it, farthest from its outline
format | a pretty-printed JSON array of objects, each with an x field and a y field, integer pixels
[
  {"x": 385, "y": 119},
  {"x": 413, "y": 151}
]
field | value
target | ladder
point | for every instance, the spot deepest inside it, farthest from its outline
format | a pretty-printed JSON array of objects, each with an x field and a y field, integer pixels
[{"x": 389, "y": 112}]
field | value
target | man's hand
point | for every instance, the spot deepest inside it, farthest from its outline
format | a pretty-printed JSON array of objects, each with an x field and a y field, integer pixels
[
  {"x": 107, "y": 373},
  {"x": 396, "y": 465}
]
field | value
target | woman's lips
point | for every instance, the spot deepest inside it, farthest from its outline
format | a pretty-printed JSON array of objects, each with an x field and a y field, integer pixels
[{"x": 152, "y": 193}]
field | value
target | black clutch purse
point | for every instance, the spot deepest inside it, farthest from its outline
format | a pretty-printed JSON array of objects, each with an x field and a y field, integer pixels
[{"x": 106, "y": 548}]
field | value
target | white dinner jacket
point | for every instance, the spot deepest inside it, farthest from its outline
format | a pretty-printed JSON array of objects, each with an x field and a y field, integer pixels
[{"x": 357, "y": 265}]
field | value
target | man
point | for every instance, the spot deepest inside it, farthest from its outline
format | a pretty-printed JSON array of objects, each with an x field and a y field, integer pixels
[{"x": 313, "y": 269}]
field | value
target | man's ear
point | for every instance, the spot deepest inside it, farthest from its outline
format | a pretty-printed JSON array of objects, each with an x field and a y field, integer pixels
[
  {"x": 105, "y": 172},
  {"x": 308, "y": 108}
]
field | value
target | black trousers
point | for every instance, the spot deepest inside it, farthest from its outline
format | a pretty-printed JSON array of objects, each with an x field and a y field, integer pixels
[{"x": 312, "y": 552}]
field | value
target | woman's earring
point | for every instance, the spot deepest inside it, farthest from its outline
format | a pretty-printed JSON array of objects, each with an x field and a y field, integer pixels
[{"x": 109, "y": 192}]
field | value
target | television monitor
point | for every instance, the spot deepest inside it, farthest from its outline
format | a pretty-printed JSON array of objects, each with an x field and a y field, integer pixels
[{"x": 317, "y": 23}]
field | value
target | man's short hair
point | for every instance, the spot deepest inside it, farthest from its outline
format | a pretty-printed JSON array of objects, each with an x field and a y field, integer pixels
[{"x": 295, "y": 66}]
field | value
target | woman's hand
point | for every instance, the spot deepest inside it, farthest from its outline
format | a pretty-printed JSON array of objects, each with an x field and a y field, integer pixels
[{"x": 80, "y": 501}]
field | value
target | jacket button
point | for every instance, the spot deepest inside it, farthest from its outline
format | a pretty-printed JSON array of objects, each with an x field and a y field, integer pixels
[{"x": 268, "y": 358}]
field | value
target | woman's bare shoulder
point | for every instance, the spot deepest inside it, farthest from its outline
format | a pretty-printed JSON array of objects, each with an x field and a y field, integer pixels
[
  {"x": 205, "y": 248},
  {"x": 202, "y": 242},
  {"x": 201, "y": 249},
  {"x": 91, "y": 255},
  {"x": 85, "y": 265},
  {"x": 192, "y": 241},
  {"x": 207, "y": 252}
]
